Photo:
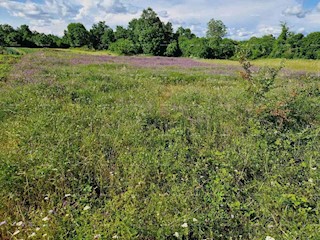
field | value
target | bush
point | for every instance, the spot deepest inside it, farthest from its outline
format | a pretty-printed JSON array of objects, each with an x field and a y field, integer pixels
[
  {"x": 173, "y": 50},
  {"x": 123, "y": 46}
]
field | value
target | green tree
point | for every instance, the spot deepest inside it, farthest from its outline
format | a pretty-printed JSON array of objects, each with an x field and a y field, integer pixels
[
  {"x": 280, "y": 46},
  {"x": 185, "y": 32},
  {"x": 77, "y": 35},
  {"x": 216, "y": 29},
  {"x": 311, "y": 46},
  {"x": 123, "y": 46},
  {"x": 173, "y": 49},
  {"x": 25, "y": 36},
  {"x": 121, "y": 32},
  {"x": 149, "y": 33},
  {"x": 101, "y": 36}
]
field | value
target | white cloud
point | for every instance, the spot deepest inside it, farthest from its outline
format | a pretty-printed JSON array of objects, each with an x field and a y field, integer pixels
[{"x": 297, "y": 11}]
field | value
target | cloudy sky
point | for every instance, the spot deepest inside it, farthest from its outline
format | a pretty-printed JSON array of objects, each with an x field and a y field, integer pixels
[{"x": 244, "y": 18}]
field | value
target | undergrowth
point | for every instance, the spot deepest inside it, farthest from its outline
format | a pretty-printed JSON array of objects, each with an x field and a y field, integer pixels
[{"x": 113, "y": 152}]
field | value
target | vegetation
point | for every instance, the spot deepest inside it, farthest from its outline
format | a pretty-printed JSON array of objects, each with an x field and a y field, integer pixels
[
  {"x": 149, "y": 35},
  {"x": 104, "y": 147}
]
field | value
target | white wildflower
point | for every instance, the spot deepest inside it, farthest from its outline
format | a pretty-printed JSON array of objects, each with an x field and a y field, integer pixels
[
  {"x": 176, "y": 234},
  {"x": 185, "y": 225},
  {"x": 19, "y": 224},
  {"x": 195, "y": 220},
  {"x": 115, "y": 237},
  {"x": 97, "y": 236},
  {"x": 67, "y": 195},
  {"x": 86, "y": 208},
  {"x": 45, "y": 219},
  {"x": 269, "y": 238},
  {"x": 16, "y": 232},
  {"x": 37, "y": 229},
  {"x": 32, "y": 235}
]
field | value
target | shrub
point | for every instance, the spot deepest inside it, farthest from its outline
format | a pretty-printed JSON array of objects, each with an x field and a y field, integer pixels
[
  {"x": 173, "y": 50},
  {"x": 123, "y": 46}
]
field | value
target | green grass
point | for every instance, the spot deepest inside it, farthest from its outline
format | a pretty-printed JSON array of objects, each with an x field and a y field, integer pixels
[
  {"x": 292, "y": 64},
  {"x": 6, "y": 61},
  {"x": 111, "y": 151}
]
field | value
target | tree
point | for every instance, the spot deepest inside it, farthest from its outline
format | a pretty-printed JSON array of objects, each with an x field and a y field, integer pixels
[
  {"x": 149, "y": 33},
  {"x": 280, "y": 45},
  {"x": 311, "y": 46},
  {"x": 101, "y": 36},
  {"x": 185, "y": 32},
  {"x": 25, "y": 36},
  {"x": 173, "y": 49},
  {"x": 123, "y": 46},
  {"x": 216, "y": 29},
  {"x": 77, "y": 35},
  {"x": 121, "y": 32},
  {"x": 107, "y": 38}
]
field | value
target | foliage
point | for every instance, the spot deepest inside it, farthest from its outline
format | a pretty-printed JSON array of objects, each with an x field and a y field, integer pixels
[
  {"x": 195, "y": 47},
  {"x": 77, "y": 35},
  {"x": 311, "y": 46},
  {"x": 149, "y": 32},
  {"x": 173, "y": 50},
  {"x": 216, "y": 29},
  {"x": 101, "y": 36},
  {"x": 123, "y": 46}
]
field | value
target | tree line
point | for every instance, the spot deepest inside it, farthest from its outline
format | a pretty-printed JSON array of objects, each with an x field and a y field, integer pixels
[{"x": 149, "y": 35}]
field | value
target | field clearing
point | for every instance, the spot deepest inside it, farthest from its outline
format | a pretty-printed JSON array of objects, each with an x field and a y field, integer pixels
[{"x": 94, "y": 146}]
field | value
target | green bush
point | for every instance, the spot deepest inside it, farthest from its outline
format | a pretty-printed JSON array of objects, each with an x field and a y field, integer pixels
[{"x": 123, "y": 46}]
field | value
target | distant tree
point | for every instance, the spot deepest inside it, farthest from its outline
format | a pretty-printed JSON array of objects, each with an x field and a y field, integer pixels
[
  {"x": 257, "y": 47},
  {"x": 43, "y": 40},
  {"x": 5, "y": 30},
  {"x": 121, "y": 32},
  {"x": 195, "y": 47},
  {"x": 185, "y": 32},
  {"x": 101, "y": 36},
  {"x": 77, "y": 35},
  {"x": 107, "y": 38},
  {"x": 123, "y": 46},
  {"x": 13, "y": 39},
  {"x": 295, "y": 42},
  {"x": 280, "y": 46},
  {"x": 216, "y": 29},
  {"x": 25, "y": 36},
  {"x": 173, "y": 49},
  {"x": 148, "y": 32},
  {"x": 310, "y": 46}
]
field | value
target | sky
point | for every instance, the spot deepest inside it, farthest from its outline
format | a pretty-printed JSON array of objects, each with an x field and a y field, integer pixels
[{"x": 243, "y": 18}]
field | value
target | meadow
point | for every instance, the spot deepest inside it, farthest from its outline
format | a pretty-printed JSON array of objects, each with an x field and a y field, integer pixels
[{"x": 94, "y": 146}]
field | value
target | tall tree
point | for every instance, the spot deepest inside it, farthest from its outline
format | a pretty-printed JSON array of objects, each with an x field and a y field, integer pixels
[
  {"x": 77, "y": 35},
  {"x": 149, "y": 32},
  {"x": 101, "y": 36},
  {"x": 216, "y": 29},
  {"x": 280, "y": 46}
]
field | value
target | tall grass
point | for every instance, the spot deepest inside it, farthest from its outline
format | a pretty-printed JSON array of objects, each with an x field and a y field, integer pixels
[{"x": 114, "y": 151}]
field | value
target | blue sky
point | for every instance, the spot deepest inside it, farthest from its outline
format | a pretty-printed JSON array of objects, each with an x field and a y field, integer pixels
[{"x": 244, "y": 18}]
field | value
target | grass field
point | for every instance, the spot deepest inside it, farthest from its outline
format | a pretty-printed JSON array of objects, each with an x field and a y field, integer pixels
[{"x": 107, "y": 147}]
